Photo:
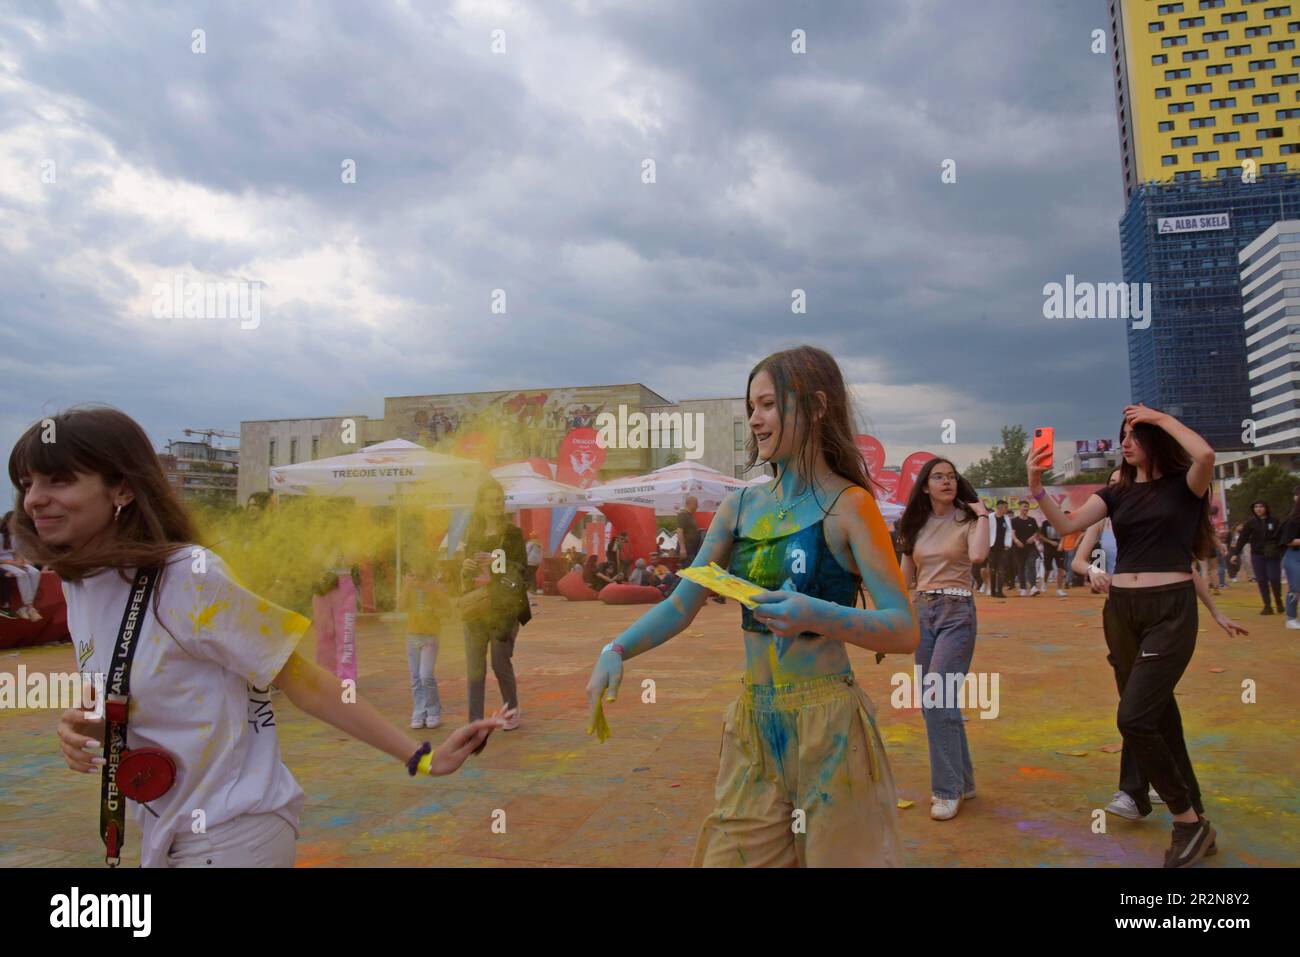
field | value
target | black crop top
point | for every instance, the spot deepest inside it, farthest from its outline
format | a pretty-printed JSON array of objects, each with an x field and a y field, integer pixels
[{"x": 1154, "y": 523}]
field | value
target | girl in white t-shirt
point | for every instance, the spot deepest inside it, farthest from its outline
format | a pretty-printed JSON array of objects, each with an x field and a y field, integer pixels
[{"x": 94, "y": 505}]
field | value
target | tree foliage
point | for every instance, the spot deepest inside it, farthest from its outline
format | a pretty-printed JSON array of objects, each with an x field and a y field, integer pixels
[
  {"x": 1005, "y": 464},
  {"x": 1272, "y": 483}
]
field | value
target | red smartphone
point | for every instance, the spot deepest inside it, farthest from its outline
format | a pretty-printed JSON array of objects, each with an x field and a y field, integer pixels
[{"x": 1043, "y": 439}]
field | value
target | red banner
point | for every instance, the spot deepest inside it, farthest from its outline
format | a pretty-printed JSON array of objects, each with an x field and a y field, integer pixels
[
  {"x": 888, "y": 482},
  {"x": 912, "y": 466},
  {"x": 873, "y": 453},
  {"x": 580, "y": 458},
  {"x": 639, "y": 523}
]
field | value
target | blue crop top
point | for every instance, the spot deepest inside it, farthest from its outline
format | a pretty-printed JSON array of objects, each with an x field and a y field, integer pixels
[{"x": 769, "y": 562}]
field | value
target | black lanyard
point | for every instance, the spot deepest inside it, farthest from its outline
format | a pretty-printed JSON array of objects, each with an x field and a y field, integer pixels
[{"x": 112, "y": 805}]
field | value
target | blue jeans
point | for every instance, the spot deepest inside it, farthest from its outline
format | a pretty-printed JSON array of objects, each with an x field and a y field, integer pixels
[
  {"x": 1291, "y": 565},
  {"x": 947, "y": 646},
  {"x": 422, "y": 655}
]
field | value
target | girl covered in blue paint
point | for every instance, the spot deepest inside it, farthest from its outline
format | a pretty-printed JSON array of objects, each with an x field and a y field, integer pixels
[{"x": 803, "y": 779}]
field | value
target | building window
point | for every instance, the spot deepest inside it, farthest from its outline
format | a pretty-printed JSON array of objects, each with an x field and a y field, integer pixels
[
  {"x": 1216, "y": 69},
  {"x": 1223, "y": 172},
  {"x": 1155, "y": 26},
  {"x": 1167, "y": 8},
  {"x": 1293, "y": 27},
  {"x": 1272, "y": 167},
  {"x": 1269, "y": 133},
  {"x": 1208, "y": 157},
  {"x": 1238, "y": 118},
  {"x": 1178, "y": 41},
  {"x": 1211, "y": 4},
  {"x": 1286, "y": 79},
  {"x": 1162, "y": 92},
  {"x": 1214, "y": 36},
  {"x": 1186, "y": 175},
  {"x": 1178, "y": 142},
  {"x": 1167, "y": 125},
  {"x": 315, "y": 447},
  {"x": 1259, "y": 98},
  {"x": 1243, "y": 50},
  {"x": 1183, "y": 74},
  {"x": 1249, "y": 151},
  {"x": 1257, "y": 31},
  {"x": 1200, "y": 122},
  {"x": 1191, "y": 55},
  {"x": 1196, "y": 89},
  {"x": 1223, "y": 103},
  {"x": 1287, "y": 149},
  {"x": 270, "y": 458},
  {"x": 1272, "y": 12},
  {"x": 1247, "y": 83},
  {"x": 1232, "y": 17},
  {"x": 293, "y": 451},
  {"x": 1169, "y": 161},
  {"x": 1288, "y": 114},
  {"x": 1159, "y": 59},
  {"x": 1281, "y": 45},
  {"x": 1231, "y": 137},
  {"x": 1181, "y": 107},
  {"x": 1256, "y": 65}
]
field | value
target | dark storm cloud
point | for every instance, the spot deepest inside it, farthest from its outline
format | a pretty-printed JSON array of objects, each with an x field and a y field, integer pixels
[{"x": 521, "y": 171}]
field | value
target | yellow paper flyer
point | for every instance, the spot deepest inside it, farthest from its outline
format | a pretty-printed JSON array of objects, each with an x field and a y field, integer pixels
[{"x": 717, "y": 579}]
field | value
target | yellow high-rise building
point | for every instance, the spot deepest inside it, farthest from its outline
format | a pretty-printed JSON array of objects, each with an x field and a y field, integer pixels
[{"x": 1205, "y": 88}]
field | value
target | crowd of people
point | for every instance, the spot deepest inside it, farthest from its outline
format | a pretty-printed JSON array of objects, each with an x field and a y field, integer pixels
[{"x": 96, "y": 509}]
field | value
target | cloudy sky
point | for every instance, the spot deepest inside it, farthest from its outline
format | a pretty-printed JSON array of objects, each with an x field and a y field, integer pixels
[{"x": 127, "y": 159}]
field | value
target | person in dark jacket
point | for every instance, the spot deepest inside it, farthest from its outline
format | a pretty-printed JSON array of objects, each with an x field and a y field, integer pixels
[
  {"x": 496, "y": 558},
  {"x": 1288, "y": 540},
  {"x": 1260, "y": 533}
]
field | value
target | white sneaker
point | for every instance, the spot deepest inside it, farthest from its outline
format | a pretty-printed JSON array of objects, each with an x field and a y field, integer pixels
[
  {"x": 1033, "y": 591},
  {"x": 945, "y": 809},
  {"x": 934, "y": 799},
  {"x": 1023, "y": 593},
  {"x": 434, "y": 722},
  {"x": 1062, "y": 593},
  {"x": 513, "y": 722},
  {"x": 1292, "y": 623},
  {"x": 1154, "y": 796},
  {"x": 417, "y": 722},
  {"x": 1123, "y": 806}
]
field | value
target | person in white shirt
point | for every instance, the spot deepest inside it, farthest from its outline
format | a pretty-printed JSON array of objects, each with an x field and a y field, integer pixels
[{"x": 95, "y": 506}]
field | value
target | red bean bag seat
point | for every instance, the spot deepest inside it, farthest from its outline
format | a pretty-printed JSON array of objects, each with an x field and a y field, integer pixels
[
  {"x": 17, "y": 632},
  {"x": 572, "y": 587},
  {"x": 630, "y": 595}
]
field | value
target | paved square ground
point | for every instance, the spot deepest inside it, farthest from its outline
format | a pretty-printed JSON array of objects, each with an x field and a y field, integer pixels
[{"x": 638, "y": 799}]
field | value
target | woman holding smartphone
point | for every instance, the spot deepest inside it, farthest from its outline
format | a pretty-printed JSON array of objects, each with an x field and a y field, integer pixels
[
  {"x": 944, "y": 531},
  {"x": 803, "y": 779},
  {"x": 1159, "y": 508},
  {"x": 94, "y": 504}
]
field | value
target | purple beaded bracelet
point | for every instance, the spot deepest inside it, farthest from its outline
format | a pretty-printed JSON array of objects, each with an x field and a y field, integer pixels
[{"x": 413, "y": 763}]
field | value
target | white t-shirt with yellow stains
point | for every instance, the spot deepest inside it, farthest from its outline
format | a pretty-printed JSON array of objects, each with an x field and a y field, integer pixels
[{"x": 203, "y": 695}]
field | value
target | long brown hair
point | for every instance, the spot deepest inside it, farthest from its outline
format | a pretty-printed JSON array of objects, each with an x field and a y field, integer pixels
[
  {"x": 106, "y": 442},
  {"x": 920, "y": 508},
  {"x": 802, "y": 372},
  {"x": 1165, "y": 455}
]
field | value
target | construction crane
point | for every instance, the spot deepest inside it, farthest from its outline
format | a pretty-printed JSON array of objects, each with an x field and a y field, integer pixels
[{"x": 211, "y": 432}]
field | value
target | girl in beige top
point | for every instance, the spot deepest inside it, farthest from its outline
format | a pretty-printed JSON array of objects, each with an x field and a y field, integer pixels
[{"x": 944, "y": 531}]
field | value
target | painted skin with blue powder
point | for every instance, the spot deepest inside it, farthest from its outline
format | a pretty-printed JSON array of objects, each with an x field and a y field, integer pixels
[{"x": 803, "y": 734}]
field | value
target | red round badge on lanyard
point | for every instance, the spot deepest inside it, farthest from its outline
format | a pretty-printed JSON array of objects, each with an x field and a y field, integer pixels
[{"x": 145, "y": 774}]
